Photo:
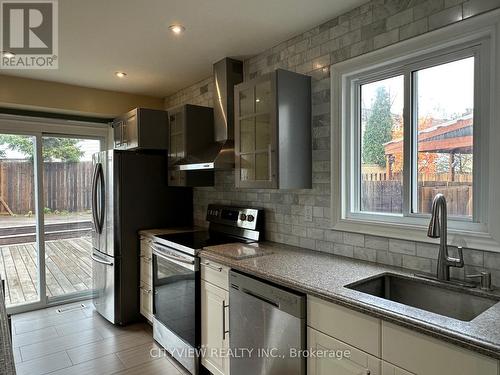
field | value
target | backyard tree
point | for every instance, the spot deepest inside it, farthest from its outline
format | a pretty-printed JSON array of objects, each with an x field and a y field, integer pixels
[
  {"x": 60, "y": 149},
  {"x": 378, "y": 129}
]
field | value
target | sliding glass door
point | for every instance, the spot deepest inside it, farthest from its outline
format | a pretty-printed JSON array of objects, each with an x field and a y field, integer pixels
[
  {"x": 19, "y": 252},
  {"x": 67, "y": 182},
  {"x": 45, "y": 212}
]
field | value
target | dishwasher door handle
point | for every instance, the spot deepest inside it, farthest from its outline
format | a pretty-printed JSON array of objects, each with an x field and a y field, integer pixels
[{"x": 261, "y": 298}]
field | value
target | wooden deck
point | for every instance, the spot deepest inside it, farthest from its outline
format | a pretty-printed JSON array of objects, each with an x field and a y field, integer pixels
[{"x": 68, "y": 269}]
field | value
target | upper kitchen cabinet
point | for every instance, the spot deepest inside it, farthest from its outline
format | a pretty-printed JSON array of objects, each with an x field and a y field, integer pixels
[
  {"x": 273, "y": 132},
  {"x": 191, "y": 133},
  {"x": 141, "y": 128}
]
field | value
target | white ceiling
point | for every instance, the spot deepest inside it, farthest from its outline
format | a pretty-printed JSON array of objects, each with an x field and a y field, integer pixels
[{"x": 99, "y": 37}]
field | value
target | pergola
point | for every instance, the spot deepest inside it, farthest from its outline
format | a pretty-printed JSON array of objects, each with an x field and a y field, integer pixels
[{"x": 451, "y": 137}]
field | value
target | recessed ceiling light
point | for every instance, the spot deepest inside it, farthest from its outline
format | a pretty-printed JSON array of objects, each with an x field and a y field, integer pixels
[
  {"x": 8, "y": 54},
  {"x": 120, "y": 74},
  {"x": 176, "y": 29}
]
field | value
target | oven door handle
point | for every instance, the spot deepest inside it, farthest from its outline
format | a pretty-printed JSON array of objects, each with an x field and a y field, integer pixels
[{"x": 157, "y": 251}]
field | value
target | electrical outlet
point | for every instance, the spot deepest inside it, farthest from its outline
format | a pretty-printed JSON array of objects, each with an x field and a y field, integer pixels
[{"x": 308, "y": 213}]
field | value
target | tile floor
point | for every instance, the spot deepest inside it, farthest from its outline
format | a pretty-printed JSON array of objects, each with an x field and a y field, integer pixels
[{"x": 79, "y": 341}]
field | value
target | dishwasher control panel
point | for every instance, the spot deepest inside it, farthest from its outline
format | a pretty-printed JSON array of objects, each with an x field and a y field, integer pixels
[{"x": 279, "y": 297}]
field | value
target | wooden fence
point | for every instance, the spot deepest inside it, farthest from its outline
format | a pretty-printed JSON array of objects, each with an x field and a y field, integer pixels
[
  {"x": 380, "y": 194},
  {"x": 67, "y": 186}
]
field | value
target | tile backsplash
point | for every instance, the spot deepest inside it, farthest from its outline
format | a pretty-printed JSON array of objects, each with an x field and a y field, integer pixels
[{"x": 302, "y": 217}]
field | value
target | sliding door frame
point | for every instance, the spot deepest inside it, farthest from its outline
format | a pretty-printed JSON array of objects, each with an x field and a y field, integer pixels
[{"x": 39, "y": 128}]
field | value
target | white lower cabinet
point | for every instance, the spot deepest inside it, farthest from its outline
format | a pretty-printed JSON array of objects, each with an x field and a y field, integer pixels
[
  {"x": 146, "y": 279},
  {"x": 328, "y": 356},
  {"x": 425, "y": 355},
  {"x": 214, "y": 327},
  {"x": 146, "y": 301},
  {"x": 402, "y": 351}
]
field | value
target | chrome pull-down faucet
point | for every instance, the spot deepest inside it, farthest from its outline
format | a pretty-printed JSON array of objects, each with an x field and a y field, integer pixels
[{"x": 438, "y": 228}]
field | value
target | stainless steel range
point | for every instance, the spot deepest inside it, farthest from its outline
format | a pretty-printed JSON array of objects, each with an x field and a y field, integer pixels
[{"x": 176, "y": 277}]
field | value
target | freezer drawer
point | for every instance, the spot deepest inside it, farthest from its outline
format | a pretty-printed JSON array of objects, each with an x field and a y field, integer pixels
[{"x": 104, "y": 284}]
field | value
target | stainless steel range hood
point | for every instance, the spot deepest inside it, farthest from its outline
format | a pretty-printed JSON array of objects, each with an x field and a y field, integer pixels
[{"x": 219, "y": 154}]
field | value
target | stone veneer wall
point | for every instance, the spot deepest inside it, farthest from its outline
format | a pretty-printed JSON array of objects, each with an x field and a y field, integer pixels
[{"x": 373, "y": 25}]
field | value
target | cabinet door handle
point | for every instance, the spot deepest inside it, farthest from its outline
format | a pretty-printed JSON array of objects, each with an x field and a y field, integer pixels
[
  {"x": 218, "y": 269},
  {"x": 224, "y": 331}
]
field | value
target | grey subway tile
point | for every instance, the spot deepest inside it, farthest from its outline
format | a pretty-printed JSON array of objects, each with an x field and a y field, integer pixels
[
  {"x": 354, "y": 239},
  {"x": 377, "y": 243},
  {"x": 402, "y": 246},
  {"x": 343, "y": 250},
  {"x": 474, "y": 7},
  {"x": 386, "y": 39},
  {"x": 363, "y": 253},
  {"x": 427, "y": 8},
  {"x": 399, "y": 19},
  {"x": 427, "y": 250},
  {"x": 417, "y": 263},
  {"x": 413, "y": 29},
  {"x": 445, "y": 17}
]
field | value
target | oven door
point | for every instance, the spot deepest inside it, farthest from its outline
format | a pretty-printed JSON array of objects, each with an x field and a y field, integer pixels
[{"x": 176, "y": 290}]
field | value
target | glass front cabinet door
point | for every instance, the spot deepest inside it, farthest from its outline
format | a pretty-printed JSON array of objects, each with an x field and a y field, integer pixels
[
  {"x": 255, "y": 135},
  {"x": 176, "y": 147},
  {"x": 265, "y": 116}
]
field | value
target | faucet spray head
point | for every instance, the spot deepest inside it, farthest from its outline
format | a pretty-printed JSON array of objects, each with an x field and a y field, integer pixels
[
  {"x": 433, "y": 231},
  {"x": 434, "y": 225}
]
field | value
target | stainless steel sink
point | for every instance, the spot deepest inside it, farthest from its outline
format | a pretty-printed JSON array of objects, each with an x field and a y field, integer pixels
[{"x": 447, "y": 300}]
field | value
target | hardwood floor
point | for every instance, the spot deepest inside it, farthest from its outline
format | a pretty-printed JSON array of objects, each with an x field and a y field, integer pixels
[
  {"x": 68, "y": 269},
  {"x": 79, "y": 341}
]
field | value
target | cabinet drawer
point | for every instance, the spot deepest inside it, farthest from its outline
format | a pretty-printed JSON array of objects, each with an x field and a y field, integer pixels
[
  {"x": 359, "y": 330},
  {"x": 347, "y": 361},
  {"x": 147, "y": 271},
  {"x": 215, "y": 273},
  {"x": 425, "y": 355},
  {"x": 146, "y": 301}
]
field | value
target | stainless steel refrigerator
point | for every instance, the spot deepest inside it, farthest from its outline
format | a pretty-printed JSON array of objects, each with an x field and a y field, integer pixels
[{"x": 130, "y": 192}]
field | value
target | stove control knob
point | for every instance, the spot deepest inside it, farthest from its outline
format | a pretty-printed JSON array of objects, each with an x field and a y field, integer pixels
[
  {"x": 250, "y": 218},
  {"x": 243, "y": 217}
]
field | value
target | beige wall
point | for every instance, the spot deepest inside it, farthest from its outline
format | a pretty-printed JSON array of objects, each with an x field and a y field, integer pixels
[{"x": 33, "y": 94}]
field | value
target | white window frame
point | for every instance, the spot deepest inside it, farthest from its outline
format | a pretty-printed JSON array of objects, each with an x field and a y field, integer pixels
[{"x": 478, "y": 37}]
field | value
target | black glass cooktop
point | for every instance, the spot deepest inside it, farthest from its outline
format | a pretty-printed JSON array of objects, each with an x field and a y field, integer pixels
[{"x": 200, "y": 239}]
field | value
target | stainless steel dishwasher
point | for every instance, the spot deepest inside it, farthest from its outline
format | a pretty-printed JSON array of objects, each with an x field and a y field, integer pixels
[{"x": 267, "y": 326}]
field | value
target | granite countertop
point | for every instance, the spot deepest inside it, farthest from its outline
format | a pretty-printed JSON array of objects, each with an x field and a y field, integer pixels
[
  {"x": 152, "y": 232},
  {"x": 7, "y": 366},
  {"x": 325, "y": 276}
]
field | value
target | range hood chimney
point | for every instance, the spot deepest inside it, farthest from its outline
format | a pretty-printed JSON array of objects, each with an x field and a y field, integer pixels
[{"x": 220, "y": 153}]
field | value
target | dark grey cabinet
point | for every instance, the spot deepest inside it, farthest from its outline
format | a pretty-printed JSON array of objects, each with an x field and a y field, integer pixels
[
  {"x": 141, "y": 128},
  {"x": 273, "y": 132},
  {"x": 191, "y": 133}
]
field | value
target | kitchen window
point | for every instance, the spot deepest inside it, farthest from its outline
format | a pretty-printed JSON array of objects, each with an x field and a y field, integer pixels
[{"x": 413, "y": 120}]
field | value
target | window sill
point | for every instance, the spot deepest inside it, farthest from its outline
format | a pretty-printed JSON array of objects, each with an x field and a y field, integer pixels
[{"x": 418, "y": 232}]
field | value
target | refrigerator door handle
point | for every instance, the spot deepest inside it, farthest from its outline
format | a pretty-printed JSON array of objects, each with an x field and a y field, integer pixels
[
  {"x": 102, "y": 210},
  {"x": 94, "y": 197},
  {"x": 98, "y": 260}
]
